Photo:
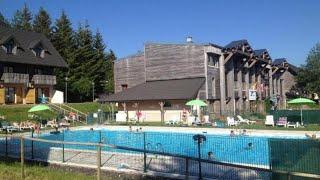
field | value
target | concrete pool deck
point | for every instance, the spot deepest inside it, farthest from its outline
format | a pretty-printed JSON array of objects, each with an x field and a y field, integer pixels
[{"x": 222, "y": 131}]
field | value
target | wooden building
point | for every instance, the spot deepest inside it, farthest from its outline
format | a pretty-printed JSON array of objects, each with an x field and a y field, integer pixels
[
  {"x": 227, "y": 78},
  {"x": 27, "y": 62}
]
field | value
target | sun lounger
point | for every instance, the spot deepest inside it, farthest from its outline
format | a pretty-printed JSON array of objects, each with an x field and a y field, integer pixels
[
  {"x": 246, "y": 121},
  {"x": 231, "y": 121},
  {"x": 282, "y": 122},
  {"x": 291, "y": 124},
  {"x": 269, "y": 120}
]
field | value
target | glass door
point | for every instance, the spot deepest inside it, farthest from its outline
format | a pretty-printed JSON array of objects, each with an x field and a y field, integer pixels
[{"x": 10, "y": 95}]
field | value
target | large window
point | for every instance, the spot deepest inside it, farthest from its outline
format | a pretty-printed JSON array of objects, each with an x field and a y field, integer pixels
[
  {"x": 10, "y": 95},
  {"x": 8, "y": 69},
  {"x": 9, "y": 46},
  {"x": 213, "y": 60}
]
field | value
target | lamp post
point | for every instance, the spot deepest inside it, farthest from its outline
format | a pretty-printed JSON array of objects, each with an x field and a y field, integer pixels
[
  {"x": 66, "y": 89},
  {"x": 199, "y": 138},
  {"x": 92, "y": 91}
]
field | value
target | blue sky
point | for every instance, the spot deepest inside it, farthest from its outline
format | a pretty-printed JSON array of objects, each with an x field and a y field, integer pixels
[{"x": 287, "y": 28}]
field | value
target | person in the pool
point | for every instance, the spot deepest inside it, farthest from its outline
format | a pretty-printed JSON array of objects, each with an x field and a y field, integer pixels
[
  {"x": 313, "y": 136},
  {"x": 130, "y": 128},
  {"x": 244, "y": 132},
  {"x": 210, "y": 155},
  {"x": 250, "y": 146},
  {"x": 232, "y": 134}
]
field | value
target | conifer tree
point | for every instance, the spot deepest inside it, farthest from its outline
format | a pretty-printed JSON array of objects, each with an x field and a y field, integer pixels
[
  {"x": 64, "y": 41},
  {"x": 3, "y": 20},
  {"x": 22, "y": 19},
  {"x": 42, "y": 23}
]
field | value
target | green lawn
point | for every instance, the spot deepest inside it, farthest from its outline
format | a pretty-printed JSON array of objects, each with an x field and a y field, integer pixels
[
  {"x": 17, "y": 113},
  {"x": 12, "y": 171}
]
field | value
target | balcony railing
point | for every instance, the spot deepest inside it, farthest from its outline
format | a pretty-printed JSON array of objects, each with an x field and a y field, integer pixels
[
  {"x": 15, "y": 78},
  {"x": 44, "y": 79}
]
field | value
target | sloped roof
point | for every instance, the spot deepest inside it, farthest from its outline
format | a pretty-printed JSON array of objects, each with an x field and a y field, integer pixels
[
  {"x": 237, "y": 43},
  {"x": 159, "y": 90},
  {"x": 280, "y": 61},
  {"x": 259, "y": 52},
  {"x": 25, "y": 56}
]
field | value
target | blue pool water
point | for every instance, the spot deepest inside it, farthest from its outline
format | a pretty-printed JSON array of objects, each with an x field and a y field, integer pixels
[{"x": 223, "y": 147}]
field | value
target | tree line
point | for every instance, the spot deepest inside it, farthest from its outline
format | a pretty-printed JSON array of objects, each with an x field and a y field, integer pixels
[{"x": 90, "y": 62}]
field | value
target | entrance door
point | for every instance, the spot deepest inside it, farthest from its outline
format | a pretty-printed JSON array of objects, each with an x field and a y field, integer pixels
[
  {"x": 19, "y": 95},
  {"x": 10, "y": 93}
]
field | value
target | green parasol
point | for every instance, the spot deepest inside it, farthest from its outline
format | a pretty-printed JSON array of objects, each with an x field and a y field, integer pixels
[
  {"x": 37, "y": 108},
  {"x": 196, "y": 102},
  {"x": 301, "y": 101}
]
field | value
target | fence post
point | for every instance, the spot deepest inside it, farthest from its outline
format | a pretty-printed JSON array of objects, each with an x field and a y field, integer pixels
[
  {"x": 22, "y": 157},
  {"x": 63, "y": 146},
  {"x": 32, "y": 155},
  {"x": 187, "y": 168},
  {"x": 6, "y": 143},
  {"x": 144, "y": 153},
  {"x": 99, "y": 162}
]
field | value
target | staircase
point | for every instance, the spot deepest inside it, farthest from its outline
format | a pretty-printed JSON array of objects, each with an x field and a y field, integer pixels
[{"x": 65, "y": 109}]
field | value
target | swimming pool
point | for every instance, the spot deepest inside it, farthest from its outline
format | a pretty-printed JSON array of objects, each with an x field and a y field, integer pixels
[{"x": 249, "y": 150}]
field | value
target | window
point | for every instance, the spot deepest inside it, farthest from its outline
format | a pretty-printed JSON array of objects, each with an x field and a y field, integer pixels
[
  {"x": 124, "y": 86},
  {"x": 8, "y": 69},
  {"x": 38, "y": 71},
  {"x": 213, "y": 60},
  {"x": 167, "y": 104},
  {"x": 38, "y": 51},
  {"x": 9, "y": 46}
]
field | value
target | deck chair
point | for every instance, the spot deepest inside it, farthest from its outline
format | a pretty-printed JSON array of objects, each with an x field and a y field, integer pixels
[
  {"x": 282, "y": 122},
  {"x": 246, "y": 121},
  {"x": 269, "y": 120},
  {"x": 231, "y": 121}
]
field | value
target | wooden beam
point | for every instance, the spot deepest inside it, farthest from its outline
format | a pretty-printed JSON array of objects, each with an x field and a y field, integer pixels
[
  {"x": 253, "y": 63},
  {"x": 228, "y": 58},
  {"x": 274, "y": 71},
  {"x": 124, "y": 105}
]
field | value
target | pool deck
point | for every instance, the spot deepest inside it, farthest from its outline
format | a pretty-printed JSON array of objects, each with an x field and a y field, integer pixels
[{"x": 222, "y": 131}]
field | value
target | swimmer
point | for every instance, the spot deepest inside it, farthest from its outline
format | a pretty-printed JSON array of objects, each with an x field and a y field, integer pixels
[
  {"x": 130, "y": 128},
  {"x": 250, "y": 146},
  {"x": 91, "y": 129},
  {"x": 210, "y": 155},
  {"x": 232, "y": 133},
  {"x": 244, "y": 132},
  {"x": 313, "y": 136}
]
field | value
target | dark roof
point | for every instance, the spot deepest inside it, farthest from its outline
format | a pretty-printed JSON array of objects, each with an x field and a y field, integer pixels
[
  {"x": 27, "y": 39},
  {"x": 237, "y": 43},
  {"x": 279, "y": 61},
  {"x": 259, "y": 52},
  {"x": 159, "y": 90}
]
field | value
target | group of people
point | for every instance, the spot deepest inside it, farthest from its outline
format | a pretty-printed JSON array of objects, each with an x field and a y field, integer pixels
[
  {"x": 243, "y": 133},
  {"x": 137, "y": 130}
]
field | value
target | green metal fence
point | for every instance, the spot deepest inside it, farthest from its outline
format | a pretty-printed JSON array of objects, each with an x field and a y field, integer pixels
[
  {"x": 295, "y": 155},
  {"x": 308, "y": 116}
]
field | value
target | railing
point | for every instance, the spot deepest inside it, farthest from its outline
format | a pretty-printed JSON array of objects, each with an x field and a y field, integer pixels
[
  {"x": 44, "y": 79},
  {"x": 63, "y": 108},
  {"x": 15, "y": 78},
  {"x": 141, "y": 158}
]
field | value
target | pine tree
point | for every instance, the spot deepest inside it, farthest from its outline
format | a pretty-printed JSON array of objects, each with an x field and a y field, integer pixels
[
  {"x": 99, "y": 67},
  {"x": 110, "y": 57},
  {"x": 3, "y": 20},
  {"x": 64, "y": 41},
  {"x": 83, "y": 71},
  {"x": 22, "y": 19},
  {"x": 42, "y": 23}
]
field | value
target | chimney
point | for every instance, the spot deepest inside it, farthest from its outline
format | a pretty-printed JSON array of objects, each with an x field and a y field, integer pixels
[{"x": 189, "y": 39}]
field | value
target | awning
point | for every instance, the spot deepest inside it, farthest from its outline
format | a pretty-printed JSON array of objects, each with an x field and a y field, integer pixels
[{"x": 178, "y": 89}]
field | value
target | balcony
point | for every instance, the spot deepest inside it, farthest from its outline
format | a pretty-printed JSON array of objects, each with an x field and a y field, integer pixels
[
  {"x": 15, "y": 78},
  {"x": 44, "y": 79}
]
